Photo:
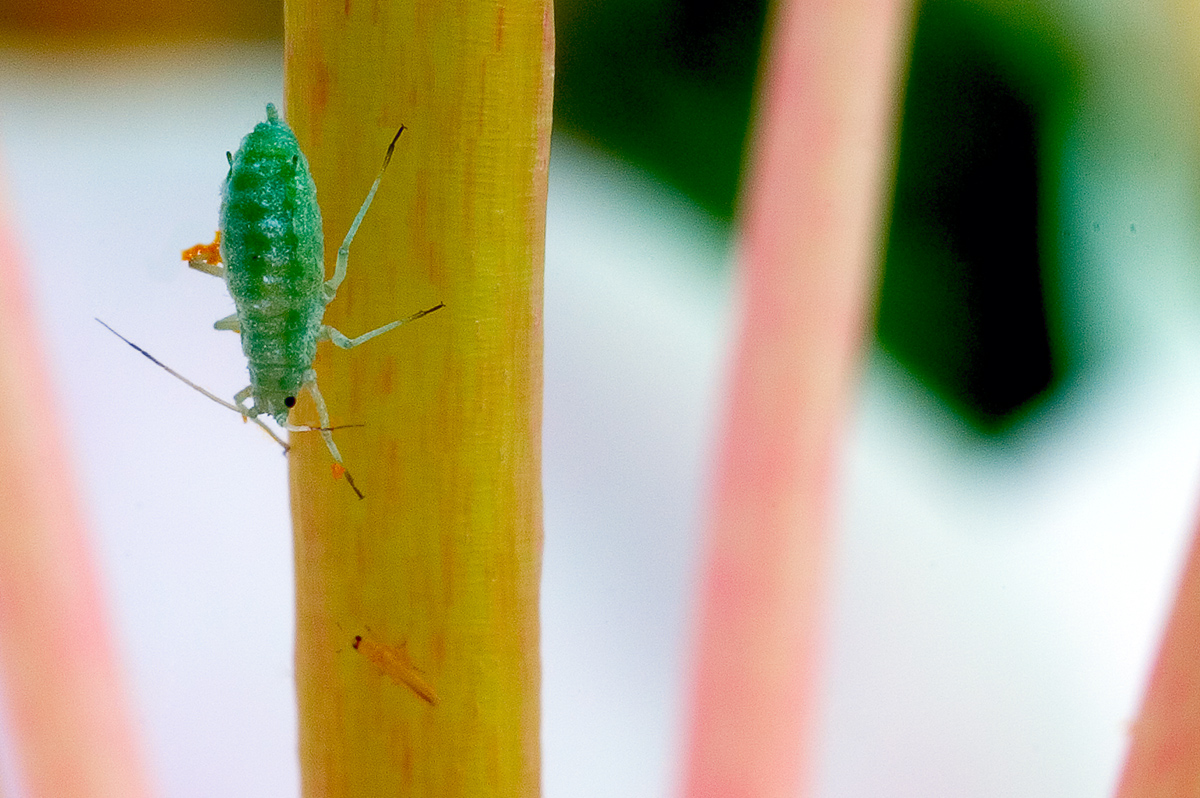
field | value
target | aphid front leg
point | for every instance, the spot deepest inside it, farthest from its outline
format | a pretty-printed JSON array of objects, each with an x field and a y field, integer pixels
[
  {"x": 339, "y": 468},
  {"x": 239, "y": 407},
  {"x": 240, "y": 398},
  {"x": 310, "y": 383}
]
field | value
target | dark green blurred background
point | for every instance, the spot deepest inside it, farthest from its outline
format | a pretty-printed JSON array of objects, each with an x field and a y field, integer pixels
[{"x": 970, "y": 264}]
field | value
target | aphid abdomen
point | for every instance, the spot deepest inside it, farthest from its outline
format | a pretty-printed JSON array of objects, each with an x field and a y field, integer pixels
[{"x": 273, "y": 251}]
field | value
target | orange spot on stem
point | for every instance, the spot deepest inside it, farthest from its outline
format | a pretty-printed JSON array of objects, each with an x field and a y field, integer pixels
[{"x": 394, "y": 662}]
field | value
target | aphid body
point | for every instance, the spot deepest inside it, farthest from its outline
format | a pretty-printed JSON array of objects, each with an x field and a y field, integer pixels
[
  {"x": 274, "y": 257},
  {"x": 271, "y": 243}
]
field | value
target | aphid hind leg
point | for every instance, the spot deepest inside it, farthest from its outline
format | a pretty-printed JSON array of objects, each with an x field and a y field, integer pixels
[
  {"x": 230, "y": 322},
  {"x": 310, "y": 383},
  {"x": 215, "y": 269},
  {"x": 206, "y": 257},
  {"x": 343, "y": 256}
]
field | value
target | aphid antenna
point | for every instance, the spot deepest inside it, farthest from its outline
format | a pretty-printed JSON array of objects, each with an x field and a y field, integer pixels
[
  {"x": 306, "y": 428},
  {"x": 198, "y": 389}
]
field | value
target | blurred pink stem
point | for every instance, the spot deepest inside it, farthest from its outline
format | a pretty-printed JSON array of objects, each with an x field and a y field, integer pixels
[
  {"x": 72, "y": 731},
  {"x": 1164, "y": 752},
  {"x": 811, "y": 241}
]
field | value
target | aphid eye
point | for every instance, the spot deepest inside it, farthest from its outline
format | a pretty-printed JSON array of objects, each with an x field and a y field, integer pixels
[{"x": 289, "y": 401}]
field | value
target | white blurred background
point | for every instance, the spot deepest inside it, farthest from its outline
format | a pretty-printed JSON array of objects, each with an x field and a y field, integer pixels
[{"x": 996, "y": 601}]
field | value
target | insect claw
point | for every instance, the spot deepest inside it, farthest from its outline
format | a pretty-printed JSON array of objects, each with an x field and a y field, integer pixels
[{"x": 340, "y": 471}]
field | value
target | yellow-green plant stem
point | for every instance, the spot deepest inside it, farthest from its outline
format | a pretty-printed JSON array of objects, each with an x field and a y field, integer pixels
[{"x": 437, "y": 569}]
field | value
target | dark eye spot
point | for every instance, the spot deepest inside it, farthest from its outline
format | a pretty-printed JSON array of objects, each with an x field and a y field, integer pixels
[{"x": 289, "y": 402}]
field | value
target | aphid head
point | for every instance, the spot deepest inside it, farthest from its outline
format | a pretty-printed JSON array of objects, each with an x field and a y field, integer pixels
[
  {"x": 279, "y": 406},
  {"x": 276, "y": 405},
  {"x": 275, "y": 389}
]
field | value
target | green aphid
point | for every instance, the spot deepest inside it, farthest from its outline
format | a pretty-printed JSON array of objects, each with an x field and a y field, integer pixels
[{"x": 273, "y": 253}]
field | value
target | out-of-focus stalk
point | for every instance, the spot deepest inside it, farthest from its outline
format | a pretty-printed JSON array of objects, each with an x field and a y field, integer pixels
[
  {"x": 417, "y": 659},
  {"x": 1163, "y": 760},
  {"x": 820, "y": 164},
  {"x": 71, "y": 727},
  {"x": 1164, "y": 754}
]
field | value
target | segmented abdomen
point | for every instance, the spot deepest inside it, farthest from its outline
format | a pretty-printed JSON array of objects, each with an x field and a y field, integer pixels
[{"x": 272, "y": 247}]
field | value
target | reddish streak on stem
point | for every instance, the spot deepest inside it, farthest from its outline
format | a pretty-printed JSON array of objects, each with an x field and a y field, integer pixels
[
  {"x": 810, "y": 237},
  {"x": 1164, "y": 756}
]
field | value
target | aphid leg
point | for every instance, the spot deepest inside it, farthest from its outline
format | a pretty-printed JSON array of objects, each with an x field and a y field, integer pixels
[
  {"x": 251, "y": 414},
  {"x": 230, "y": 322},
  {"x": 240, "y": 398},
  {"x": 343, "y": 256},
  {"x": 206, "y": 257},
  {"x": 310, "y": 382},
  {"x": 215, "y": 269},
  {"x": 340, "y": 340},
  {"x": 239, "y": 408}
]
